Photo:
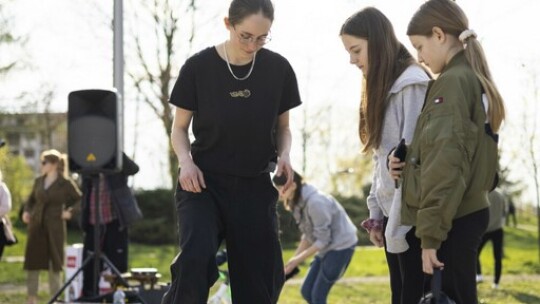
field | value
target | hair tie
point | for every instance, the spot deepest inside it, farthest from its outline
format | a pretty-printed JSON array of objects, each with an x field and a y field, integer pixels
[{"x": 466, "y": 34}]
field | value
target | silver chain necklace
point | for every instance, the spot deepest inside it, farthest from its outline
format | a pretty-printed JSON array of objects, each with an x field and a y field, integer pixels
[{"x": 229, "y": 65}]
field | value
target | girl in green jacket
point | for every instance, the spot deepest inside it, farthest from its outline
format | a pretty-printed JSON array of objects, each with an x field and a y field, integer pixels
[{"x": 451, "y": 162}]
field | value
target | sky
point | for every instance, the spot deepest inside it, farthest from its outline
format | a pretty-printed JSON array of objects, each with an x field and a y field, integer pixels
[{"x": 69, "y": 47}]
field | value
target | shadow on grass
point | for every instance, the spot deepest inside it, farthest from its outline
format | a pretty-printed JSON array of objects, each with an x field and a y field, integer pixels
[{"x": 525, "y": 297}]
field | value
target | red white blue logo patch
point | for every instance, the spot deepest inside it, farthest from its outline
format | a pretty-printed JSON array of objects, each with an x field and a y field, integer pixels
[{"x": 438, "y": 100}]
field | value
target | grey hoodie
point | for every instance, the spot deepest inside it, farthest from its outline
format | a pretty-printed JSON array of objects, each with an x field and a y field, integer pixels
[
  {"x": 323, "y": 221},
  {"x": 406, "y": 98}
]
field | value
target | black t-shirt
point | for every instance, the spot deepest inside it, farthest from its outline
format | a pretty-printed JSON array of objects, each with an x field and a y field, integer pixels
[{"x": 235, "y": 122}]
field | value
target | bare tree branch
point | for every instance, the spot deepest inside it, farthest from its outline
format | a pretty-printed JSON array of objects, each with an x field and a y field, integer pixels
[{"x": 156, "y": 61}]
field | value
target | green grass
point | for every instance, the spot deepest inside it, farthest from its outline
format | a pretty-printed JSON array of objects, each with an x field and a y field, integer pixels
[{"x": 520, "y": 281}]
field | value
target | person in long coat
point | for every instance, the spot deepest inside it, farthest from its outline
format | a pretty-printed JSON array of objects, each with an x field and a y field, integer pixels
[{"x": 48, "y": 207}]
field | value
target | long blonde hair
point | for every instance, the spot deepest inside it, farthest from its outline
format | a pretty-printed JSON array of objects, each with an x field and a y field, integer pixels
[
  {"x": 55, "y": 157},
  {"x": 448, "y": 16}
]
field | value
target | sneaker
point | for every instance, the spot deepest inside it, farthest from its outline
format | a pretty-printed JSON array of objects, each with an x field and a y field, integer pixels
[
  {"x": 494, "y": 286},
  {"x": 479, "y": 278}
]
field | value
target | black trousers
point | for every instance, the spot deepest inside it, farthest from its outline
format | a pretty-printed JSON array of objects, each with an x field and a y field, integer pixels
[
  {"x": 496, "y": 237},
  {"x": 2, "y": 240},
  {"x": 114, "y": 245},
  {"x": 241, "y": 211},
  {"x": 406, "y": 275},
  {"x": 459, "y": 253}
]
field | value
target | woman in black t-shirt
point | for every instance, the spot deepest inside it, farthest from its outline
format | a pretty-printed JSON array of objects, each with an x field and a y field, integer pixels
[{"x": 237, "y": 95}]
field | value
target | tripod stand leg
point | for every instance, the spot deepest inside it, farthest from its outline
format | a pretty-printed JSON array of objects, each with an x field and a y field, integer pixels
[
  {"x": 91, "y": 256},
  {"x": 119, "y": 275},
  {"x": 59, "y": 292},
  {"x": 97, "y": 255},
  {"x": 114, "y": 270}
]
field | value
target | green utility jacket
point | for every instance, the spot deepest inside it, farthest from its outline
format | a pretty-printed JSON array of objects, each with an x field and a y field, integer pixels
[{"x": 452, "y": 160}]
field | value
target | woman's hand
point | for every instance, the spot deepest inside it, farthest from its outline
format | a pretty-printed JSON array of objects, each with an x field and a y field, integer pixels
[
  {"x": 430, "y": 261},
  {"x": 191, "y": 178},
  {"x": 284, "y": 167},
  {"x": 395, "y": 166},
  {"x": 67, "y": 213},
  {"x": 376, "y": 237},
  {"x": 26, "y": 217}
]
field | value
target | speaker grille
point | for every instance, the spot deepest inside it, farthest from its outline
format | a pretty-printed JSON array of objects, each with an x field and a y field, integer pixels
[
  {"x": 93, "y": 141},
  {"x": 94, "y": 137}
]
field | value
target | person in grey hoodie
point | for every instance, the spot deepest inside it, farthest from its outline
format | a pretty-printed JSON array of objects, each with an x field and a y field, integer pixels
[
  {"x": 393, "y": 92},
  {"x": 327, "y": 232}
]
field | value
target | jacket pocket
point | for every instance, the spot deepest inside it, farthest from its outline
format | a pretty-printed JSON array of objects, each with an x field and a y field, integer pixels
[{"x": 470, "y": 139}]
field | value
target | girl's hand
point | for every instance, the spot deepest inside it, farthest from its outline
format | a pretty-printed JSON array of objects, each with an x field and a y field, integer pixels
[
  {"x": 376, "y": 237},
  {"x": 291, "y": 264},
  {"x": 430, "y": 261},
  {"x": 395, "y": 166}
]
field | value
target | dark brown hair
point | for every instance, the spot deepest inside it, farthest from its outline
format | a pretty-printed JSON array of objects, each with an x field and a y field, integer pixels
[
  {"x": 240, "y": 9},
  {"x": 387, "y": 59},
  {"x": 298, "y": 180},
  {"x": 448, "y": 16}
]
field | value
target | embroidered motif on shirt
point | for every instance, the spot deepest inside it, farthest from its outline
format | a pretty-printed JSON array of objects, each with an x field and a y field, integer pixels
[
  {"x": 241, "y": 93},
  {"x": 438, "y": 100}
]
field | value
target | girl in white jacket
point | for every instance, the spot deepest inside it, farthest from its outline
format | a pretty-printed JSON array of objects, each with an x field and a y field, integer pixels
[{"x": 393, "y": 92}]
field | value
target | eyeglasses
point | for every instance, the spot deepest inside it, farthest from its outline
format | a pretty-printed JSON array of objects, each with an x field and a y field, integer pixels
[{"x": 247, "y": 39}]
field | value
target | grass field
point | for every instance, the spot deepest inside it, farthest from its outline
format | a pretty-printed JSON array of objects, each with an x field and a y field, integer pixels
[{"x": 365, "y": 281}]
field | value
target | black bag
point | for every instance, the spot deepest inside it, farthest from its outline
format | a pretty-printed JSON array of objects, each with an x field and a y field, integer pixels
[
  {"x": 127, "y": 206},
  {"x": 436, "y": 295},
  {"x": 7, "y": 236}
]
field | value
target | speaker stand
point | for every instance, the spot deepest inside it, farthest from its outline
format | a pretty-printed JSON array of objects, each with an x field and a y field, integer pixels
[{"x": 97, "y": 256}]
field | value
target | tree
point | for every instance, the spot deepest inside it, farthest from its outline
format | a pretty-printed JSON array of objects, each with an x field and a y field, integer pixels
[
  {"x": 530, "y": 141},
  {"x": 40, "y": 101},
  {"x": 157, "y": 65},
  {"x": 7, "y": 39},
  {"x": 330, "y": 149},
  {"x": 18, "y": 176}
]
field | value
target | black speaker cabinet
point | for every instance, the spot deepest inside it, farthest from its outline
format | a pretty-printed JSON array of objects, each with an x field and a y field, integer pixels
[{"x": 95, "y": 142}]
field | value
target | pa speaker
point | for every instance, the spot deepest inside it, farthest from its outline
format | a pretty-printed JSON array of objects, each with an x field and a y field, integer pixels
[{"x": 94, "y": 131}]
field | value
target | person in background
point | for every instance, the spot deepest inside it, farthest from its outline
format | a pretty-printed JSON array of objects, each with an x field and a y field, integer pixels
[
  {"x": 327, "y": 232},
  {"x": 5, "y": 207},
  {"x": 393, "y": 89},
  {"x": 238, "y": 95},
  {"x": 511, "y": 213},
  {"x": 46, "y": 211},
  {"x": 117, "y": 206},
  {"x": 451, "y": 162},
  {"x": 495, "y": 234}
]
